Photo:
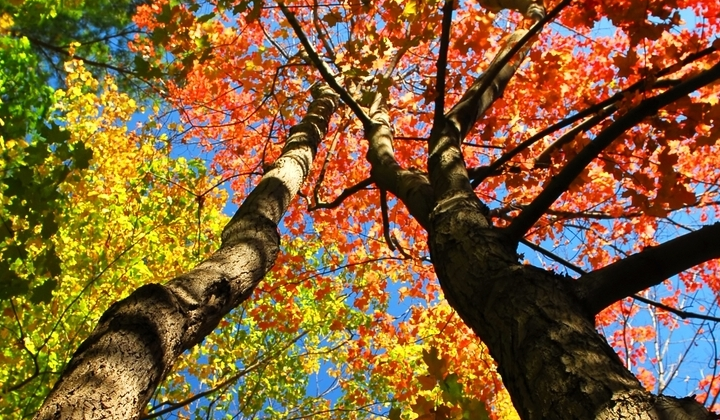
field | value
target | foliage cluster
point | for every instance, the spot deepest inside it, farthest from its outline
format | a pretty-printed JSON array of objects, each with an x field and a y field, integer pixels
[{"x": 103, "y": 193}]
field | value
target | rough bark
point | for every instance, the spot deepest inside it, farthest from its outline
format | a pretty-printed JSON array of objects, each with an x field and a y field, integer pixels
[
  {"x": 114, "y": 373},
  {"x": 541, "y": 333},
  {"x": 553, "y": 362}
]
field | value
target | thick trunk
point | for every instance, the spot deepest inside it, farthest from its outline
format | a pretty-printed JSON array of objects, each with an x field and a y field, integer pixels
[
  {"x": 553, "y": 362},
  {"x": 115, "y": 371}
]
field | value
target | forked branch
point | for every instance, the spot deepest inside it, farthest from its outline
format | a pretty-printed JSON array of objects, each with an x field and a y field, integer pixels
[
  {"x": 560, "y": 183},
  {"x": 446, "y": 164},
  {"x": 480, "y": 173},
  {"x": 506, "y": 54},
  {"x": 323, "y": 68}
]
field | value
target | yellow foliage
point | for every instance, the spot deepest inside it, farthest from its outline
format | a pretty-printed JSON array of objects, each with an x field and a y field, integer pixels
[
  {"x": 6, "y": 22},
  {"x": 130, "y": 219}
]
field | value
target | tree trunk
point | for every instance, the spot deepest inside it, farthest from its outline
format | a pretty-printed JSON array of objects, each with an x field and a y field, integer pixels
[
  {"x": 114, "y": 373},
  {"x": 553, "y": 362}
]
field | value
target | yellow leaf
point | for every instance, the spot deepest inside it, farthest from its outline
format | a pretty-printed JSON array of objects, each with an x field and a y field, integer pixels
[{"x": 410, "y": 9}]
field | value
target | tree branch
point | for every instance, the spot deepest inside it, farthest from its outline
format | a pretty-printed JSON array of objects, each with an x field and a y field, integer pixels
[
  {"x": 544, "y": 160},
  {"x": 477, "y": 175},
  {"x": 386, "y": 219},
  {"x": 545, "y": 252},
  {"x": 156, "y": 323},
  {"x": 172, "y": 406},
  {"x": 682, "y": 314},
  {"x": 446, "y": 164},
  {"x": 501, "y": 213},
  {"x": 477, "y": 100},
  {"x": 347, "y": 192},
  {"x": 442, "y": 62},
  {"x": 42, "y": 44},
  {"x": 653, "y": 265},
  {"x": 560, "y": 183},
  {"x": 641, "y": 85},
  {"x": 412, "y": 187},
  {"x": 327, "y": 43},
  {"x": 324, "y": 70},
  {"x": 504, "y": 57}
]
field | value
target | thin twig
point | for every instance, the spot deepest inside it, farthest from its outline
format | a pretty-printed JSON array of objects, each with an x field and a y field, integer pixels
[
  {"x": 324, "y": 70},
  {"x": 560, "y": 183},
  {"x": 347, "y": 192},
  {"x": 385, "y": 219},
  {"x": 492, "y": 72},
  {"x": 682, "y": 314},
  {"x": 253, "y": 366},
  {"x": 640, "y": 85},
  {"x": 62, "y": 51}
]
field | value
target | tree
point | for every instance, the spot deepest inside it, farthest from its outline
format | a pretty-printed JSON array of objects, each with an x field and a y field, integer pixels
[
  {"x": 618, "y": 134},
  {"x": 99, "y": 30},
  {"x": 36, "y": 37},
  {"x": 129, "y": 203},
  {"x": 131, "y": 200}
]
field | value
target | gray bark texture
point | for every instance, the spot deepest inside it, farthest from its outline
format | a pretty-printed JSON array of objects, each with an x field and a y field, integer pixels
[
  {"x": 114, "y": 373},
  {"x": 553, "y": 362},
  {"x": 537, "y": 325},
  {"x": 541, "y": 333}
]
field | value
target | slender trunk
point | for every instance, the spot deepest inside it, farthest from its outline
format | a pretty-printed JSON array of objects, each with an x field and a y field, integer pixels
[
  {"x": 114, "y": 373},
  {"x": 552, "y": 361}
]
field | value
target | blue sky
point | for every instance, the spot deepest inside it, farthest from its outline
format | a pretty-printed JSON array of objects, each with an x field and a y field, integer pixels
[{"x": 692, "y": 353}]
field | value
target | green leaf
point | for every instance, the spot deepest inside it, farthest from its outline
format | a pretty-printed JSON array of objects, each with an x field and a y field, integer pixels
[
  {"x": 206, "y": 17},
  {"x": 160, "y": 36},
  {"x": 36, "y": 153},
  {"x": 6, "y": 231},
  {"x": 15, "y": 251},
  {"x": 82, "y": 156},
  {"x": 11, "y": 284},
  {"x": 451, "y": 388},
  {"x": 475, "y": 410},
  {"x": 202, "y": 42},
  {"x": 142, "y": 67},
  {"x": 48, "y": 262},
  {"x": 43, "y": 293},
  {"x": 54, "y": 134},
  {"x": 165, "y": 15},
  {"x": 394, "y": 413},
  {"x": 49, "y": 227}
]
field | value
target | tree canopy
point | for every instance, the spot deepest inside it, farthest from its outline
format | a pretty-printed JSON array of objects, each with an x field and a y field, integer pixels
[{"x": 441, "y": 210}]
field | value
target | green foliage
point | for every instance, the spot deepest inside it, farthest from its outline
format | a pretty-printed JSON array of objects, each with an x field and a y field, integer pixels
[
  {"x": 266, "y": 358},
  {"x": 24, "y": 96},
  {"x": 31, "y": 177},
  {"x": 101, "y": 28},
  {"x": 36, "y": 36},
  {"x": 91, "y": 211}
]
